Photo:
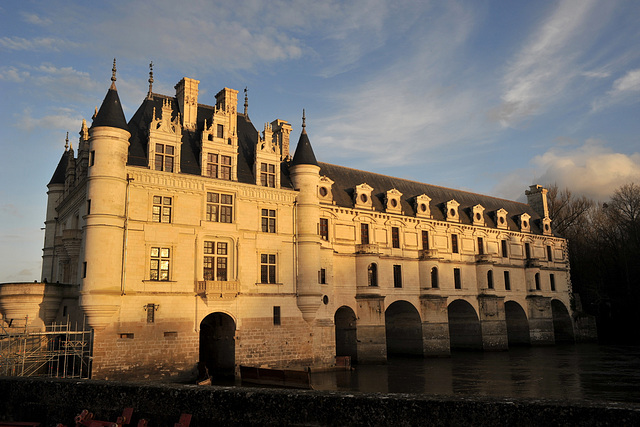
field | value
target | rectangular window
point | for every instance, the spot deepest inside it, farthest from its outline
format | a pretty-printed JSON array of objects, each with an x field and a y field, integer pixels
[
  {"x": 425, "y": 240},
  {"x": 215, "y": 261},
  {"x": 552, "y": 280},
  {"x": 159, "y": 264},
  {"x": 364, "y": 233},
  {"x": 503, "y": 245},
  {"x": 507, "y": 281},
  {"x": 276, "y": 315},
  {"x": 164, "y": 157},
  {"x": 454, "y": 243},
  {"x": 324, "y": 228},
  {"x": 537, "y": 281},
  {"x": 89, "y": 207},
  {"x": 267, "y": 268},
  {"x": 268, "y": 221},
  {"x": 527, "y": 250},
  {"x": 161, "y": 209},
  {"x": 268, "y": 175},
  {"x": 395, "y": 237},
  {"x": 218, "y": 166},
  {"x": 84, "y": 269},
  {"x": 457, "y": 280},
  {"x": 220, "y": 133},
  {"x": 490, "y": 279},
  {"x": 480, "y": 246},
  {"x": 92, "y": 157},
  {"x": 397, "y": 276},
  {"x": 322, "y": 276},
  {"x": 549, "y": 253},
  {"x": 219, "y": 207},
  {"x": 151, "y": 308}
]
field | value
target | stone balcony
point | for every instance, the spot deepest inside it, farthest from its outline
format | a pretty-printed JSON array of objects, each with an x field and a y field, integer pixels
[
  {"x": 427, "y": 254},
  {"x": 218, "y": 289},
  {"x": 532, "y": 263},
  {"x": 484, "y": 258},
  {"x": 370, "y": 248}
]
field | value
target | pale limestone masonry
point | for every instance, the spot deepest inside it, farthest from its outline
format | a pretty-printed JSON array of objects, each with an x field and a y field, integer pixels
[{"x": 189, "y": 240}]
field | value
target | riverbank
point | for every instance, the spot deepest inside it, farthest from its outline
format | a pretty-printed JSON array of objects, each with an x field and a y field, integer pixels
[{"x": 50, "y": 401}]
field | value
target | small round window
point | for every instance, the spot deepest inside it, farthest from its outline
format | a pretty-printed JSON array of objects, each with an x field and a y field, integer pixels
[
  {"x": 501, "y": 220},
  {"x": 363, "y": 198},
  {"x": 525, "y": 224},
  {"x": 452, "y": 212},
  {"x": 325, "y": 300},
  {"x": 546, "y": 227},
  {"x": 323, "y": 191},
  {"x": 394, "y": 203},
  {"x": 423, "y": 207},
  {"x": 478, "y": 216}
]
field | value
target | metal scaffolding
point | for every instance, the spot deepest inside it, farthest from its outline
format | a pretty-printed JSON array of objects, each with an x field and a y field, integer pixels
[{"x": 61, "y": 350}]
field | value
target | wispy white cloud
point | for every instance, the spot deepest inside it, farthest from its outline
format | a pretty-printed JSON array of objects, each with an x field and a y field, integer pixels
[
  {"x": 13, "y": 74},
  {"x": 36, "y": 19},
  {"x": 35, "y": 44},
  {"x": 624, "y": 89},
  {"x": 64, "y": 119}
]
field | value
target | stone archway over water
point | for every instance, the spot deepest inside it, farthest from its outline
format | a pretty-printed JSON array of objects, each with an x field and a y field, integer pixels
[
  {"x": 217, "y": 344},
  {"x": 562, "y": 325},
  {"x": 517, "y": 324},
  {"x": 346, "y": 338},
  {"x": 403, "y": 329},
  {"x": 464, "y": 326}
]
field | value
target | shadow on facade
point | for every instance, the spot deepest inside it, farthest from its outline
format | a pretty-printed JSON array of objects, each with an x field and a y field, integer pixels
[
  {"x": 517, "y": 324},
  {"x": 403, "y": 329},
  {"x": 464, "y": 326}
]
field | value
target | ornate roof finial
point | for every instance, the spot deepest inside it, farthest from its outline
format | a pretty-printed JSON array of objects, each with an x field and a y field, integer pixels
[
  {"x": 246, "y": 101},
  {"x": 66, "y": 142},
  {"x": 150, "y": 79},
  {"x": 304, "y": 122},
  {"x": 113, "y": 75}
]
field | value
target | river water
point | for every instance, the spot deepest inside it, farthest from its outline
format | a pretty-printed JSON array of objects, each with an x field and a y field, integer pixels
[{"x": 570, "y": 372}]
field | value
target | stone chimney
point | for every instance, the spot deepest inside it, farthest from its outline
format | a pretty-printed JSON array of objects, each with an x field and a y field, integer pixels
[
  {"x": 537, "y": 199},
  {"x": 281, "y": 131},
  {"x": 187, "y": 96},
  {"x": 227, "y": 100}
]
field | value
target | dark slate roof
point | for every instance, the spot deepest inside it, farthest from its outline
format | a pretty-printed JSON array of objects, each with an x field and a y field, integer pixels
[
  {"x": 190, "y": 152},
  {"x": 110, "y": 112},
  {"x": 304, "y": 153},
  {"x": 61, "y": 170},
  {"x": 346, "y": 179}
]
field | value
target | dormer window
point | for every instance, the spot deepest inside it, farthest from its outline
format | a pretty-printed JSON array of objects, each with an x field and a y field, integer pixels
[
  {"x": 268, "y": 175},
  {"x": 362, "y": 196},
  {"x": 324, "y": 189},
  {"x": 478, "y": 215},
  {"x": 165, "y": 156},
  {"x": 220, "y": 130},
  {"x": 546, "y": 226},
  {"x": 422, "y": 207},
  {"x": 501, "y": 218},
  {"x": 525, "y": 224},
  {"x": 452, "y": 211},
  {"x": 165, "y": 138},
  {"x": 218, "y": 166},
  {"x": 393, "y": 201}
]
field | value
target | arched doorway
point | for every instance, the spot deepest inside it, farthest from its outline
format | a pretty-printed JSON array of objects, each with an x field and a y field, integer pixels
[
  {"x": 345, "y": 324},
  {"x": 464, "y": 326},
  {"x": 217, "y": 345},
  {"x": 517, "y": 324},
  {"x": 403, "y": 329},
  {"x": 562, "y": 325}
]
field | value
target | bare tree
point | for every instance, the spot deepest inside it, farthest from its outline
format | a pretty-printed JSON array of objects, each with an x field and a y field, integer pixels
[{"x": 566, "y": 211}]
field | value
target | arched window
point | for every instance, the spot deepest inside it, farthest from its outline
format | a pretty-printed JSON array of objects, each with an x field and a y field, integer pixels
[
  {"x": 373, "y": 274},
  {"x": 434, "y": 277},
  {"x": 490, "y": 279},
  {"x": 537, "y": 278}
]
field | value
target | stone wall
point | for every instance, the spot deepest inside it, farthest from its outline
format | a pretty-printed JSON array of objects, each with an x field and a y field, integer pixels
[{"x": 53, "y": 401}]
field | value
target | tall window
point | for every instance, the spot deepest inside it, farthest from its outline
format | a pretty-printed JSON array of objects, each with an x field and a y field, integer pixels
[
  {"x": 322, "y": 276},
  {"x": 434, "y": 277},
  {"x": 218, "y": 166},
  {"x": 267, "y": 175},
  {"x": 549, "y": 254},
  {"x": 395, "y": 237},
  {"x": 537, "y": 280},
  {"x": 507, "y": 281},
  {"x": 372, "y": 275},
  {"x": 454, "y": 243},
  {"x": 267, "y": 268},
  {"x": 164, "y": 157},
  {"x": 552, "y": 279},
  {"x": 425, "y": 240},
  {"x": 490, "y": 279},
  {"x": 161, "y": 209},
  {"x": 527, "y": 250},
  {"x": 503, "y": 245},
  {"x": 457, "y": 280},
  {"x": 276, "y": 315},
  {"x": 324, "y": 228},
  {"x": 159, "y": 266},
  {"x": 480, "y": 246},
  {"x": 219, "y": 207},
  {"x": 364, "y": 233},
  {"x": 220, "y": 133},
  {"x": 268, "y": 221},
  {"x": 215, "y": 261},
  {"x": 397, "y": 276}
]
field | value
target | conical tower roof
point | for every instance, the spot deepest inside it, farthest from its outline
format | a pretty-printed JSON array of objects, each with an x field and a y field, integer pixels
[
  {"x": 110, "y": 112},
  {"x": 304, "y": 153},
  {"x": 61, "y": 170}
]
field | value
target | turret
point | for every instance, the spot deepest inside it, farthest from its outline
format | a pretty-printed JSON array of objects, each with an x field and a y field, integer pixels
[
  {"x": 104, "y": 230},
  {"x": 305, "y": 175}
]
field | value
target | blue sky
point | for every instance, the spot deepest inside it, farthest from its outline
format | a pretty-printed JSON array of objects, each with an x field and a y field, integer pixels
[{"x": 487, "y": 96}]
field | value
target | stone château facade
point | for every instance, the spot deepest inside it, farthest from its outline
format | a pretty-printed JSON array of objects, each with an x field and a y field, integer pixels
[{"x": 187, "y": 236}]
